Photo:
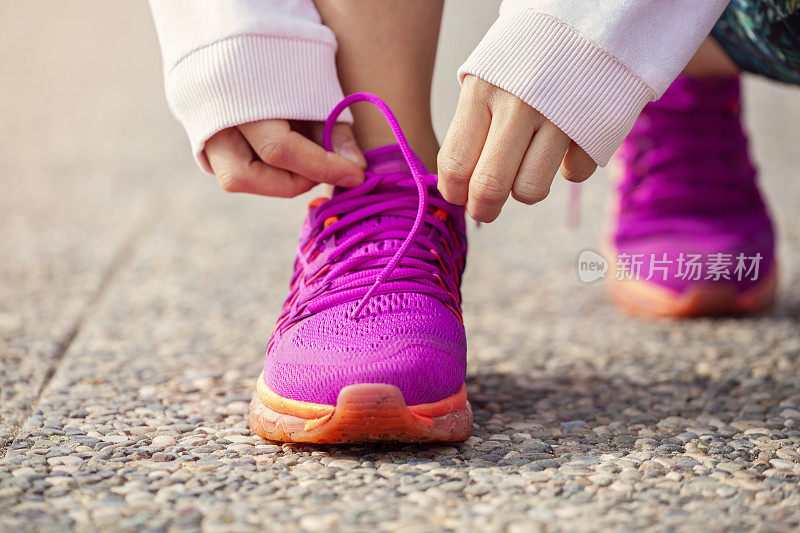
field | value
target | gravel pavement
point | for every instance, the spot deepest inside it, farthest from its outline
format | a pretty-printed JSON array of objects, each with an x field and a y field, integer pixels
[{"x": 135, "y": 301}]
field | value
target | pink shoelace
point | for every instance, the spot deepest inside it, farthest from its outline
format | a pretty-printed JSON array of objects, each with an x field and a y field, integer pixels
[{"x": 430, "y": 258}]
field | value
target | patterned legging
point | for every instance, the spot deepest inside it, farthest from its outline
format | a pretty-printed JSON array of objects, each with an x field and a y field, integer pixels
[{"x": 763, "y": 36}]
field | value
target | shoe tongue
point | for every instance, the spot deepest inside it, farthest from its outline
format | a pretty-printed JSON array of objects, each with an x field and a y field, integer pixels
[
  {"x": 380, "y": 161},
  {"x": 700, "y": 96},
  {"x": 389, "y": 159}
]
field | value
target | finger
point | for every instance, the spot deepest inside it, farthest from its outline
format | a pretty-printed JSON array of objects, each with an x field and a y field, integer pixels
[
  {"x": 278, "y": 146},
  {"x": 239, "y": 170},
  {"x": 343, "y": 141},
  {"x": 538, "y": 168},
  {"x": 509, "y": 137},
  {"x": 461, "y": 149},
  {"x": 577, "y": 165}
]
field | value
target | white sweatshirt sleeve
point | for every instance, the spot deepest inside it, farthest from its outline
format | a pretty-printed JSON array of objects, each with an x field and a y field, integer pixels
[
  {"x": 590, "y": 67},
  {"x": 227, "y": 62}
]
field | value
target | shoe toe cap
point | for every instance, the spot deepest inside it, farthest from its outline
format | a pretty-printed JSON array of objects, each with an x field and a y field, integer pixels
[{"x": 419, "y": 347}]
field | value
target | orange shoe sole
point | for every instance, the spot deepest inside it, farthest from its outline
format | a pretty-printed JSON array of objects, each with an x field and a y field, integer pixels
[
  {"x": 643, "y": 299},
  {"x": 366, "y": 412}
]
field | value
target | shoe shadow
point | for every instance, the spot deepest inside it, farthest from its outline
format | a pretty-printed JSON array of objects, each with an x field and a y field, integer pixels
[{"x": 536, "y": 421}]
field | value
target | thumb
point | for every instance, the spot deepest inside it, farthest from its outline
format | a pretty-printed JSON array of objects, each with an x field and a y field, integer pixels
[{"x": 343, "y": 141}]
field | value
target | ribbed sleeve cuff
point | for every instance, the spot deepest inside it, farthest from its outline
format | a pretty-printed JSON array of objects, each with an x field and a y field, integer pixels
[
  {"x": 252, "y": 77},
  {"x": 577, "y": 85}
]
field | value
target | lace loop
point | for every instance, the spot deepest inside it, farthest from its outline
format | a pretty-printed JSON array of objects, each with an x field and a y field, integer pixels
[{"x": 416, "y": 172}]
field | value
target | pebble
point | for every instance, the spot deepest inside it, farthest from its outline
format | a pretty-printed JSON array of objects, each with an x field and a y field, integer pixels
[
  {"x": 23, "y": 471},
  {"x": 319, "y": 522},
  {"x": 345, "y": 464},
  {"x": 788, "y": 454},
  {"x": 452, "y": 486},
  {"x": 164, "y": 441},
  {"x": 572, "y": 425},
  {"x": 782, "y": 464}
]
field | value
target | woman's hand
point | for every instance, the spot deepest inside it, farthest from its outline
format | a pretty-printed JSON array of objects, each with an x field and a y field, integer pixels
[
  {"x": 281, "y": 158},
  {"x": 498, "y": 145}
]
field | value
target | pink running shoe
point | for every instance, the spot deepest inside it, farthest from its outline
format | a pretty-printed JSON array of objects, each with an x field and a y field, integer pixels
[
  {"x": 370, "y": 345},
  {"x": 693, "y": 235}
]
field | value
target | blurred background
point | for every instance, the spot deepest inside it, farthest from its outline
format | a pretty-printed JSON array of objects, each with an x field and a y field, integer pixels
[{"x": 127, "y": 276}]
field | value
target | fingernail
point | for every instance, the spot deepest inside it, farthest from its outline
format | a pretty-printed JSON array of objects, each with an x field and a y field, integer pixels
[
  {"x": 350, "y": 181},
  {"x": 351, "y": 152}
]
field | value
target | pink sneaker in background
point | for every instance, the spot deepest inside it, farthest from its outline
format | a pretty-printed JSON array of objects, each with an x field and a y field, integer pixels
[{"x": 692, "y": 233}]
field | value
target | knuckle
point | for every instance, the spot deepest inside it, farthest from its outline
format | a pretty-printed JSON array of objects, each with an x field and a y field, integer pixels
[
  {"x": 452, "y": 168},
  {"x": 488, "y": 188},
  {"x": 530, "y": 194},
  {"x": 273, "y": 151}
]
